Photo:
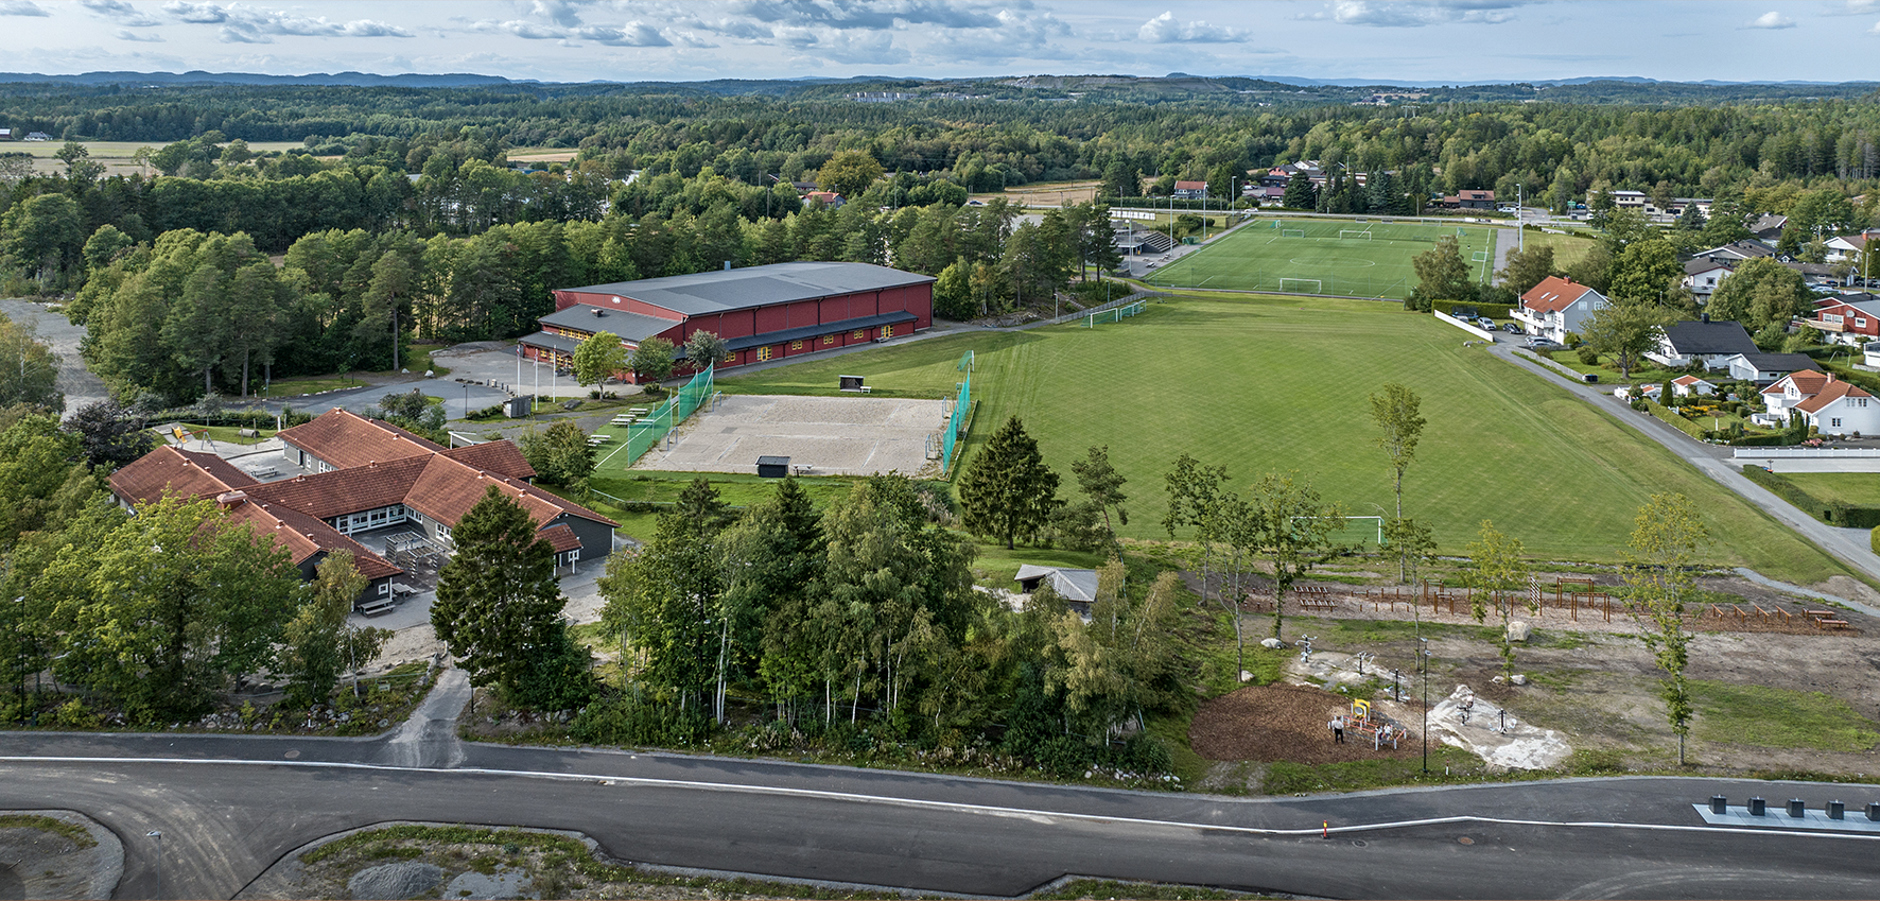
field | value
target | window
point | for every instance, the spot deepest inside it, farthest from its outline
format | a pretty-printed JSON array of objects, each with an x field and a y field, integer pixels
[
  {"x": 829, "y": 339},
  {"x": 385, "y": 588},
  {"x": 1860, "y": 323},
  {"x": 763, "y": 353},
  {"x": 796, "y": 345},
  {"x": 1834, "y": 423},
  {"x": 887, "y": 331},
  {"x": 860, "y": 335}
]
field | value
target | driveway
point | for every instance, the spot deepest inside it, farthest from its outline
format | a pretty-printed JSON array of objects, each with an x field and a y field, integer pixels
[{"x": 80, "y": 386}]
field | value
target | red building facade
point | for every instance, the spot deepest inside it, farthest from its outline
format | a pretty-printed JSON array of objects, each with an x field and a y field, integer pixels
[{"x": 762, "y": 312}]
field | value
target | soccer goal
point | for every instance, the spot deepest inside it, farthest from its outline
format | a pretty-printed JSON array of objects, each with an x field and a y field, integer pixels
[
  {"x": 1292, "y": 232},
  {"x": 1116, "y": 315},
  {"x": 1354, "y": 234},
  {"x": 1300, "y": 286}
]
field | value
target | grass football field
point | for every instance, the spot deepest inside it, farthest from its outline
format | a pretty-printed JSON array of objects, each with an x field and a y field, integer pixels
[
  {"x": 1260, "y": 384},
  {"x": 1368, "y": 258}
]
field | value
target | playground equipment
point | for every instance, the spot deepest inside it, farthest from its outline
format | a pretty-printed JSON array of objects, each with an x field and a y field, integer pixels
[
  {"x": 1363, "y": 721},
  {"x": 1305, "y": 655}
]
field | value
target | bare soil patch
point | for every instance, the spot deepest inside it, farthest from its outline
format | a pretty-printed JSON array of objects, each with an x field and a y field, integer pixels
[{"x": 1278, "y": 722}]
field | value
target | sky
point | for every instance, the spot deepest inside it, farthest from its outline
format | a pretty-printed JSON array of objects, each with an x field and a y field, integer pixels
[{"x": 1446, "y": 41}]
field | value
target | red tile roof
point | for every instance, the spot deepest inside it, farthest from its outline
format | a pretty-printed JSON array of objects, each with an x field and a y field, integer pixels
[
  {"x": 1554, "y": 294},
  {"x": 500, "y": 457},
  {"x": 347, "y": 440},
  {"x": 1834, "y": 390},
  {"x": 561, "y": 538},
  {"x": 303, "y": 536},
  {"x": 176, "y": 471},
  {"x": 1807, "y": 382},
  {"x": 330, "y": 494}
]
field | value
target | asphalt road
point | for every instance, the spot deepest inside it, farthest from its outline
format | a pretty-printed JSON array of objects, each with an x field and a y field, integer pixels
[{"x": 230, "y": 806}]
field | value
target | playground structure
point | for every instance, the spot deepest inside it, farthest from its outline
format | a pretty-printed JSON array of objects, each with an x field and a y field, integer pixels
[{"x": 1364, "y": 722}]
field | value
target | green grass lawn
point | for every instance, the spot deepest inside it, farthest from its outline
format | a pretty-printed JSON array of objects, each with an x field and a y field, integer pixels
[
  {"x": 1261, "y": 384},
  {"x": 1568, "y": 249},
  {"x": 1778, "y": 718},
  {"x": 1860, "y": 488},
  {"x": 1260, "y": 255}
]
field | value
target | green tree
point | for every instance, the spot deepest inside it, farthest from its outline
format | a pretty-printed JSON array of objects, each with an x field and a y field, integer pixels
[
  {"x": 1626, "y": 331},
  {"x": 1102, "y": 487},
  {"x": 1008, "y": 492},
  {"x": 1291, "y": 528},
  {"x": 770, "y": 558},
  {"x": 1761, "y": 292},
  {"x": 598, "y": 358},
  {"x": 849, "y": 173},
  {"x": 1411, "y": 544},
  {"x": 1526, "y": 268},
  {"x": 1301, "y": 194},
  {"x": 29, "y": 372},
  {"x": 1647, "y": 271},
  {"x": 319, "y": 645},
  {"x": 560, "y": 454},
  {"x": 953, "y": 292},
  {"x": 1441, "y": 275},
  {"x": 44, "y": 233},
  {"x": 499, "y": 606},
  {"x": 1397, "y": 412},
  {"x": 1497, "y": 574},
  {"x": 705, "y": 349},
  {"x": 652, "y": 360},
  {"x": 1659, "y": 583}
]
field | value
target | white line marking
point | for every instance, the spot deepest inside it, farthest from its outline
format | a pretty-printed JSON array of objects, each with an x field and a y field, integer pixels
[{"x": 984, "y": 809}]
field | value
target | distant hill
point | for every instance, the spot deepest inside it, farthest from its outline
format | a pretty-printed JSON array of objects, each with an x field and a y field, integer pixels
[{"x": 351, "y": 79}]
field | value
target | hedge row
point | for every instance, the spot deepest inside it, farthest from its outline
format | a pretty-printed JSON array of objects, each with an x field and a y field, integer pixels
[
  {"x": 1834, "y": 513},
  {"x": 1677, "y": 422}
]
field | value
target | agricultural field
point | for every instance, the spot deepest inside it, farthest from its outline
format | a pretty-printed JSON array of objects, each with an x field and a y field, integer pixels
[
  {"x": 118, "y": 157},
  {"x": 1358, "y": 258},
  {"x": 1261, "y": 384}
]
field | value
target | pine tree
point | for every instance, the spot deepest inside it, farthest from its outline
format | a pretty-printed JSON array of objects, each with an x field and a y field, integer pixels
[
  {"x": 499, "y": 607},
  {"x": 1008, "y": 492}
]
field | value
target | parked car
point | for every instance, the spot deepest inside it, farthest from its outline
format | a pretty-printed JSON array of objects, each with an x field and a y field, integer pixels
[
  {"x": 1539, "y": 343},
  {"x": 1512, "y": 328}
]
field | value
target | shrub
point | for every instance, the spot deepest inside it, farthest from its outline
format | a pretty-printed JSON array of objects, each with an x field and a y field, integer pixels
[
  {"x": 74, "y": 714},
  {"x": 1588, "y": 355},
  {"x": 1873, "y": 539}
]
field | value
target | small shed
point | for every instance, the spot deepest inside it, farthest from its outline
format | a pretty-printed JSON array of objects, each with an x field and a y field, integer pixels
[
  {"x": 850, "y": 382},
  {"x": 519, "y": 407},
  {"x": 769, "y": 467},
  {"x": 1078, "y": 587}
]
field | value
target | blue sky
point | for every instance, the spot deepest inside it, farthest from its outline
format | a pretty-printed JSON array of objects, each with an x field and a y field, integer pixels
[{"x": 631, "y": 40}]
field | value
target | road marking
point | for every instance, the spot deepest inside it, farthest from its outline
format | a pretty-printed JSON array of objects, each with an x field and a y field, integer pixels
[{"x": 1036, "y": 816}]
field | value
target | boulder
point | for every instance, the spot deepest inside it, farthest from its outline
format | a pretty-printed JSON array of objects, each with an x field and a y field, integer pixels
[
  {"x": 1272, "y": 643},
  {"x": 1518, "y": 679},
  {"x": 395, "y": 881},
  {"x": 1518, "y": 631}
]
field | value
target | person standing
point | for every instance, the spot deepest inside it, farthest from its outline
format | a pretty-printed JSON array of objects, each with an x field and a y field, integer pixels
[{"x": 1338, "y": 730}]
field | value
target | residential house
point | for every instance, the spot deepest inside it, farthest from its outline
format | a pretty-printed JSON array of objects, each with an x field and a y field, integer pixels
[
  {"x": 38, "y": 136},
  {"x": 1689, "y": 385},
  {"x": 1701, "y": 277},
  {"x": 1768, "y": 227},
  {"x": 1191, "y": 190},
  {"x": 829, "y": 199},
  {"x": 1737, "y": 252},
  {"x": 1469, "y": 200},
  {"x": 1701, "y": 341},
  {"x": 6, "y": 134},
  {"x": 1078, "y": 587},
  {"x": 1764, "y": 368},
  {"x": 1830, "y": 405},
  {"x": 1847, "y": 247},
  {"x": 1557, "y": 306},
  {"x": 1851, "y": 318},
  {"x": 1642, "y": 202}
]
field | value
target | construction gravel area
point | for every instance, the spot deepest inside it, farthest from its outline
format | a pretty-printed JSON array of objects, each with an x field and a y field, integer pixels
[
  {"x": 850, "y": 436},
  {"x": 1280, "y": 722}
]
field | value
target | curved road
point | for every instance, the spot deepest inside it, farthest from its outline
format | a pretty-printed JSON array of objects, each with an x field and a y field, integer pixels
[{"x": 230, "y": 806}]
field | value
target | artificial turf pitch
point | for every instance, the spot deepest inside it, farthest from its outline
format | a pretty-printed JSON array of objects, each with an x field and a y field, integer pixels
[
  {"x": 1351, "y": 258},
  {"x": 1263, "y": 384}
]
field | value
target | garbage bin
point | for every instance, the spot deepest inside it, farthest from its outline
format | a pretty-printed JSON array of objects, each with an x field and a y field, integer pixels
[{"x": 1757, "y": 806}]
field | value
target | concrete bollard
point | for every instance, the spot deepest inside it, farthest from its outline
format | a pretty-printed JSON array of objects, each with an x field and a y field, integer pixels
[
  {"x": 1837, "y": 810},
  {"x": 1719, "y": 804},
  {"x": 1757, "y": 807},
  {"x": 1798, "y": 808}
]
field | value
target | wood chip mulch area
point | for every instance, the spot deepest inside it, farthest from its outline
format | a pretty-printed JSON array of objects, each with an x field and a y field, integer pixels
[{"x": 1279, "y": 722}]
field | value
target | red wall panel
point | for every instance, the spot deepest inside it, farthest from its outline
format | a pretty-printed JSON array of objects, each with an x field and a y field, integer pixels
[{"x": 772, "y": 319}]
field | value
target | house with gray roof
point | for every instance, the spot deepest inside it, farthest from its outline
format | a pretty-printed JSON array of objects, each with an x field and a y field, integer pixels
[{"x": 1702, "y": 341}]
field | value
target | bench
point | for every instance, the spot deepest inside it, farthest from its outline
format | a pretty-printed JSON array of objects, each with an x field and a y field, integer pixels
[
  {"x": 377, "y": 606},
  {"x": 1316, "y": 598},
  {"x": 400, "y": 589},
  {"x": 1827, "y": 619}
]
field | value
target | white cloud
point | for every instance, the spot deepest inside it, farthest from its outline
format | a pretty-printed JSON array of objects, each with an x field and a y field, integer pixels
[
  {"x": 630, "y": 34},
  {"x": 1772, "y": 19},
  {"x": 1875, "y": 29},
  {"x": 1166, "y": 29},
  {"x": 846, "y": 14},
  {"x": 123, "y": 13},
  {"x": 21, "y": 8},
  {"x": 249, "y": 25},
  {"x": 1854, "y": 8},
  {"x": 196, "y": 13},
  {"x": 125, "y": 34},
  {"x": 1417, "y": 15},
  {"x": 873, "y": 48}
]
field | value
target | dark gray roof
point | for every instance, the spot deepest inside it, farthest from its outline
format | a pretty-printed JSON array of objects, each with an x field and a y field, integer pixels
[
  {"x": 718, "y": 291},
  {"x": 1687, "y": 338},
  {"x": 1704, "y": 264},
  {"x": 1741, "y": 250},
  {"x": 632, "y": 327},
  {"x": 1781, "y": 362},
  {"x": 552, "y": 342},
  {"x": 817, "y": 331}
]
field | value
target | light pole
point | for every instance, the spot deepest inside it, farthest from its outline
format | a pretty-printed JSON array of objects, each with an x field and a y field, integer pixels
[{"x": 159, "y": 837}]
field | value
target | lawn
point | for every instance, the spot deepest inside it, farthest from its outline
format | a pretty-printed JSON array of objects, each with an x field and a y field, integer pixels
[
  {"x": 1856, "y": 488},
  {"x": 1360, "y": 258},
  {"x": 1778, "y": 718},
  {"x": 1568, "y": 249},
  {"x": 1260, "y": 384}
]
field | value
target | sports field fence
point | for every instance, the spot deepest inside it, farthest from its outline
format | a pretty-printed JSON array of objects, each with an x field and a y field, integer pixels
[
  {"x": 959, "y": 414},
  {"x": 644, "y": 433}
]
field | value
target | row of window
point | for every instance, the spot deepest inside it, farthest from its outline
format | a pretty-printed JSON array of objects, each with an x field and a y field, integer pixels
[{"x": 768, "y": 352}]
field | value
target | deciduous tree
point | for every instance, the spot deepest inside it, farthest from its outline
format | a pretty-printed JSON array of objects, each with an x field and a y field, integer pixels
[
  {"x": 1658, "y": 580},
  {"x": 1626, "y": 331},
  {"x": 1292, "y": 529},
  {"x": 560, "y": 454},
  {"x": 1497, "y": 574},
  {"x": 652, "y": 360},
  {"x": 598, "y": 358}
]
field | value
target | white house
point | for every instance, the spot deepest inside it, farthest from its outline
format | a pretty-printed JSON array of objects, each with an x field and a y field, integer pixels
[
  {"x": 1686, "y": 386},
  {"x": 1737, "y": 252},
  {"x": 1832, "y": 406},
  {"x": 1764, "y": 368},
  {"x": 1701, "y": 341},
  {"x": 1557, "y": 306},
  {"x": 1847, "y": 247},
  {"x": 1701, "y": 277}
]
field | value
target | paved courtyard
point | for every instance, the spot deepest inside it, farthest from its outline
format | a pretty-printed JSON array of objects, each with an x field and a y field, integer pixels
[{"x": 821, "y": 435}]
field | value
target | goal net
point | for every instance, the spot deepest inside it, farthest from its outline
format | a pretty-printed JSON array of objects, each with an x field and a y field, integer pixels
[
  {"x": 1354, "y": 234},
  {"x": 1115, "y": 315},
  {"x": 1300, "y": 285},
  {"x": 1292, "y": 232}
]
